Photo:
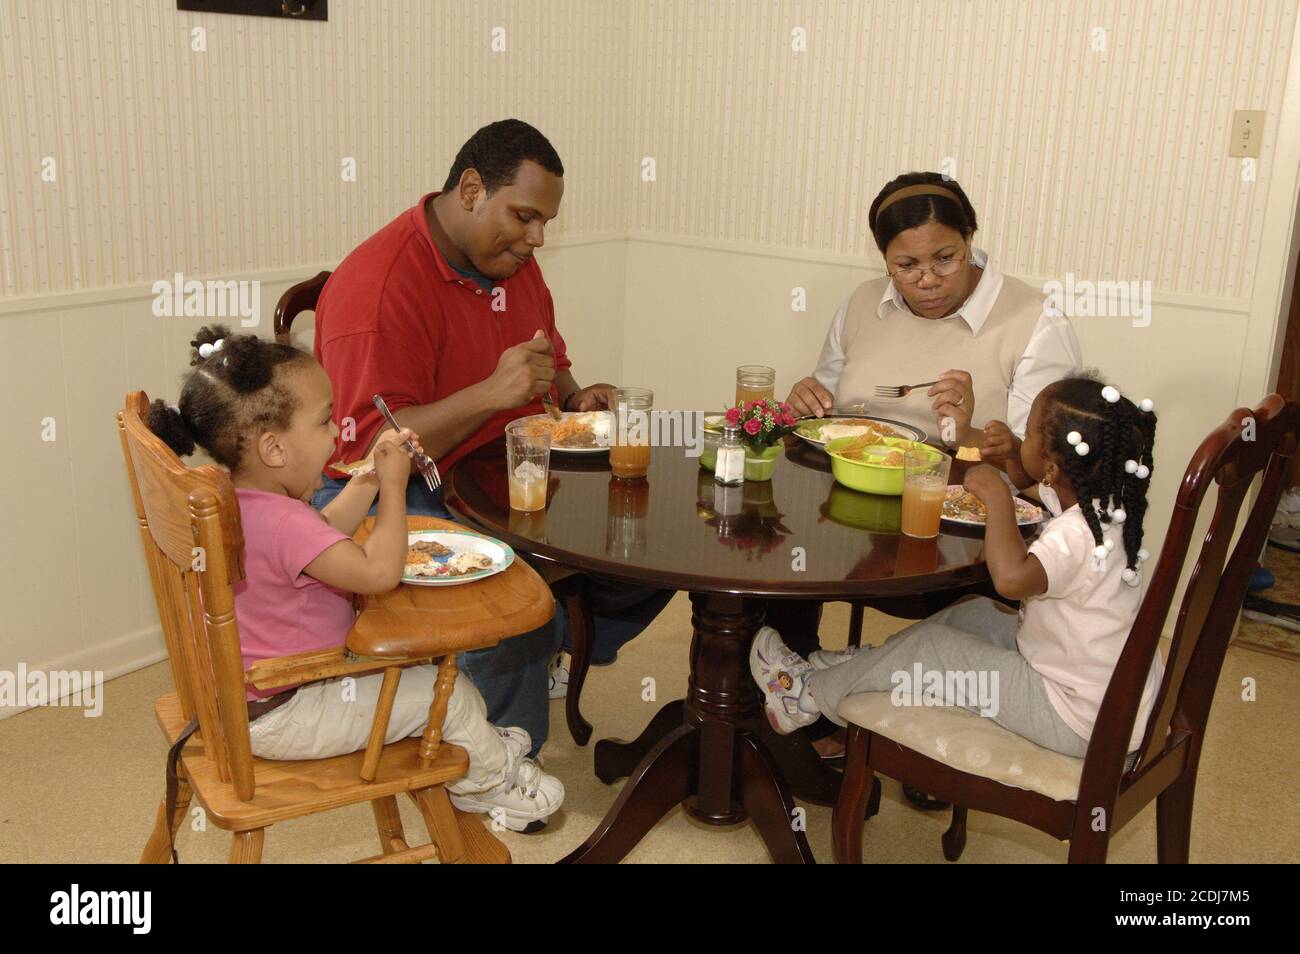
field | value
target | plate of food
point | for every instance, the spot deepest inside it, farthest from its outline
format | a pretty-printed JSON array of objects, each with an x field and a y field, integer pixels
[
  {"x": 820, "y": 431},
  {"x": 576, "y": 432},
  {"x": 960, "y": 506},
  {"x": 451, "y": 557}
]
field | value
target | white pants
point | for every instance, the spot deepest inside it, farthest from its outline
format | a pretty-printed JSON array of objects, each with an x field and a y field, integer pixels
[{"x": 330, "y": 718}]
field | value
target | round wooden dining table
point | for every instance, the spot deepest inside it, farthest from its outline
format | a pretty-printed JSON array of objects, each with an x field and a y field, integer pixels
[{"x": 799, "y": 535}]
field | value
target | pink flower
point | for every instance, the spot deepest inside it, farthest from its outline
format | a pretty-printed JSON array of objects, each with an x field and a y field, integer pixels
[
  {"x": 752, "y": 426},
  {"x": 787, "y": 419},
  {"x": 750, "y": 406},
  {"x": 733, "y": 415}
]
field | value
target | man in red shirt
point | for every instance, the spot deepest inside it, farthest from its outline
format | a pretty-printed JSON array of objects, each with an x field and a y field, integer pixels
[{"x": 445, "y": 313}]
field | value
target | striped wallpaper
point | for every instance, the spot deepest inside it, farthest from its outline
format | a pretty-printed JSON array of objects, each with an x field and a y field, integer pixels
[
  {"x": 230, "y": 160},
  {"x": 1109, "y": 162}
]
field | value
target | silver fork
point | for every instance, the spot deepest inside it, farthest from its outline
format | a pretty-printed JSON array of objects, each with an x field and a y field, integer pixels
[
  {"x": 423, "y": 462},
  {"x": 900, "y": 390}
]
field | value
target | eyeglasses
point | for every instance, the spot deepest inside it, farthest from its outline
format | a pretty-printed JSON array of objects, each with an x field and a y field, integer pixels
[{"x": 943, "y": 268}]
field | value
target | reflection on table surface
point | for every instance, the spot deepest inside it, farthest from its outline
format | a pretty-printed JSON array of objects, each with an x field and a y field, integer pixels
[{"x": 797, "y": 533}]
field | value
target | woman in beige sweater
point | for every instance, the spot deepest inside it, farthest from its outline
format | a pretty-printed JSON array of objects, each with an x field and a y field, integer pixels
[{"x": 941, "y": 313}]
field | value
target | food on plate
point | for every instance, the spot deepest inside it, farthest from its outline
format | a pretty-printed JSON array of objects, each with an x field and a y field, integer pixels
[
  {"x": 835, "y": 428},
  {"x": 431, "y": 547},
  {"x": 968, "y": 453},
  {"x": 432, "y": 559},
  {"x": 469, "y": 562},
  {"x": 960, "y": 504},
  {"x": 356, "y": 468},
  {"x": 573, "y": 431}
]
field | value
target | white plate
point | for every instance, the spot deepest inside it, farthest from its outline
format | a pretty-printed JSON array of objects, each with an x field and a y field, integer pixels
[
  {"x": 904, "y": 430},
  {"x": 461, "y": 541},
  {"x": 602, "y": 425},
  {"x": 956, "y": 490}
]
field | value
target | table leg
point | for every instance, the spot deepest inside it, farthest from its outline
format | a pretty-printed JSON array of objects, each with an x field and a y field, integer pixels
[
  {"x": 664, "y": 778},
  {"x": 769, "y": 805},
  {"x": 713, "y": 763},
  {"x": 616, "y": 759}
]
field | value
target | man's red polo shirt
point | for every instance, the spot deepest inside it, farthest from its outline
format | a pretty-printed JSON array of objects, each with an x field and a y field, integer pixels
[{"x": 396, "y": 319}]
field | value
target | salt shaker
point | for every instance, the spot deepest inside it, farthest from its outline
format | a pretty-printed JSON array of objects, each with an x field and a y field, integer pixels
[{"x": 730, "y": 468}]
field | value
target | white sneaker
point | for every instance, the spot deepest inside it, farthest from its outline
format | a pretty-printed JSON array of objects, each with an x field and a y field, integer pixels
[
  {"x": 531, "y": 796},
  {"x": 826, "y": 658},
  {"x": 559, "y": 677},
  {"x": 517, "y": 740},
  {"x": 779, "y": 672}
]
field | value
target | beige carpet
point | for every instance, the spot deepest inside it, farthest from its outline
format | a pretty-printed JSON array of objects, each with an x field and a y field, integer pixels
[{"x": 85, "y": 790}]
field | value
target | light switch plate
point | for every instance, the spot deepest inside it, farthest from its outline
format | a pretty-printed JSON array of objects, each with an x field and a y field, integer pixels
[{"x": 1247, "y": 133}]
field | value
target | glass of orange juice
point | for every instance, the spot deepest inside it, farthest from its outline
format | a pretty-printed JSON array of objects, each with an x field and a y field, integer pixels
[
  {"x": 629, "y": 450},
  {"x": 925, "y": 484},
  {"x": 755, "y": 382},
  {"x": 528, "y": 465}
]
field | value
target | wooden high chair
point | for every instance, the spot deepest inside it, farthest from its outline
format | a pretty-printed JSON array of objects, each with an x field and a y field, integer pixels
[
  {"x": 193, "y": 542},
  {"x": 973, "y": 762}
]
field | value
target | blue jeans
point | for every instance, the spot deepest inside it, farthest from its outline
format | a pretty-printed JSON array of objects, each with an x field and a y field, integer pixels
[{"x": 513, "y": 676}]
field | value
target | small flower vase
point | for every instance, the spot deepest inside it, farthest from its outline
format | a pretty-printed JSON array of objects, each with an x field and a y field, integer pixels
[{"x": 759, "y": 464}]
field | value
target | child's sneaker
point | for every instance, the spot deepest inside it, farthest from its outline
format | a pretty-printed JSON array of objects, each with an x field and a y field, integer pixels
[
  {"x": 826, "y": 658},
  {"x": 517, "y": 740},
  {"x": 780, "y": 674},
  {"x": 519, "y": 802},
  {"x": 559, "y": 678}
]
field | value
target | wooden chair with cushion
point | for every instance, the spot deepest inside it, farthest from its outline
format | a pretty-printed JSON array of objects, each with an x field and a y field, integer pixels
[
  {"x": 974, "y": 763},
  {"x": 193, "y": 542}
]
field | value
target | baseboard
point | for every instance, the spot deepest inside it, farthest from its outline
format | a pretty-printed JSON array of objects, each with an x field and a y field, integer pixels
[{"x": 117, "y": 657}]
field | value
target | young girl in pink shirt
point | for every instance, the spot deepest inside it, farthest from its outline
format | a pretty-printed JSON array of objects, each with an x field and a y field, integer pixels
[
  {"x": 263, "y": 411},
  {"x": 1089, "y": 449}
]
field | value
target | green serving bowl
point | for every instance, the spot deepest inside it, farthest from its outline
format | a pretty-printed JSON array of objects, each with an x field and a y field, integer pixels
[{"x": 864, "y": 475}]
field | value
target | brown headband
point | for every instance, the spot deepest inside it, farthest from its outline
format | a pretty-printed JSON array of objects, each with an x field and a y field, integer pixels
[{"x": 910, "y": 191}]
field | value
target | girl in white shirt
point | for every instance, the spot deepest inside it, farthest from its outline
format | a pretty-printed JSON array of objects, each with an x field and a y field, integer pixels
[{"x": 1041, "y": 673}]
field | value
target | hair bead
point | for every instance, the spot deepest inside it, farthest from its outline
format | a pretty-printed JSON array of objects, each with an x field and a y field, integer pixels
[
  {"x": 1118, "y": 515},
  {"x": 1130, "y": 466},
  {"x": 1147, "y": 405},
  {"x": 1082, "y": 448},
  {"x": 1073, "y": 438},
  {"x": 1110, "y": 393},
  {"x": 1143, "y": 472},
  {"x": 1129, "y": 576}
]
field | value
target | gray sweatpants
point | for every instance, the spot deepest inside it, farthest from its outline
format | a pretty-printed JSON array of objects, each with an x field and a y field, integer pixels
[{"x": 975, "y": 636}]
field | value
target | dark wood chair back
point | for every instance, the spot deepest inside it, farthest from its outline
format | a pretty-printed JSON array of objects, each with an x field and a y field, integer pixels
[
  {"x": 1249, "y": 445},
  {"x": 297, "y": 299}
]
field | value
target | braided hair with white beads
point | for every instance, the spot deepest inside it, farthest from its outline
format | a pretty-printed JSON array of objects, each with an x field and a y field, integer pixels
[{"x": 1104, "y": 444}]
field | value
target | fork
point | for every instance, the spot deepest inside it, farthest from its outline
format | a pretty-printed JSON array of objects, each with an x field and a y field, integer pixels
[
  {"x": 423, "y": 462},
  {"x": 900, "y": 390}
]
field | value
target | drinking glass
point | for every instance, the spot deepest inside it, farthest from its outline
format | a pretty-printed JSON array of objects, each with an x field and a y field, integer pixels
[
  {"x": 629, "y": 451},
  {"x": 755, "y": 382},
  {"x": 528, "y": 465},
  {"x": 925, "y": 484}
]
